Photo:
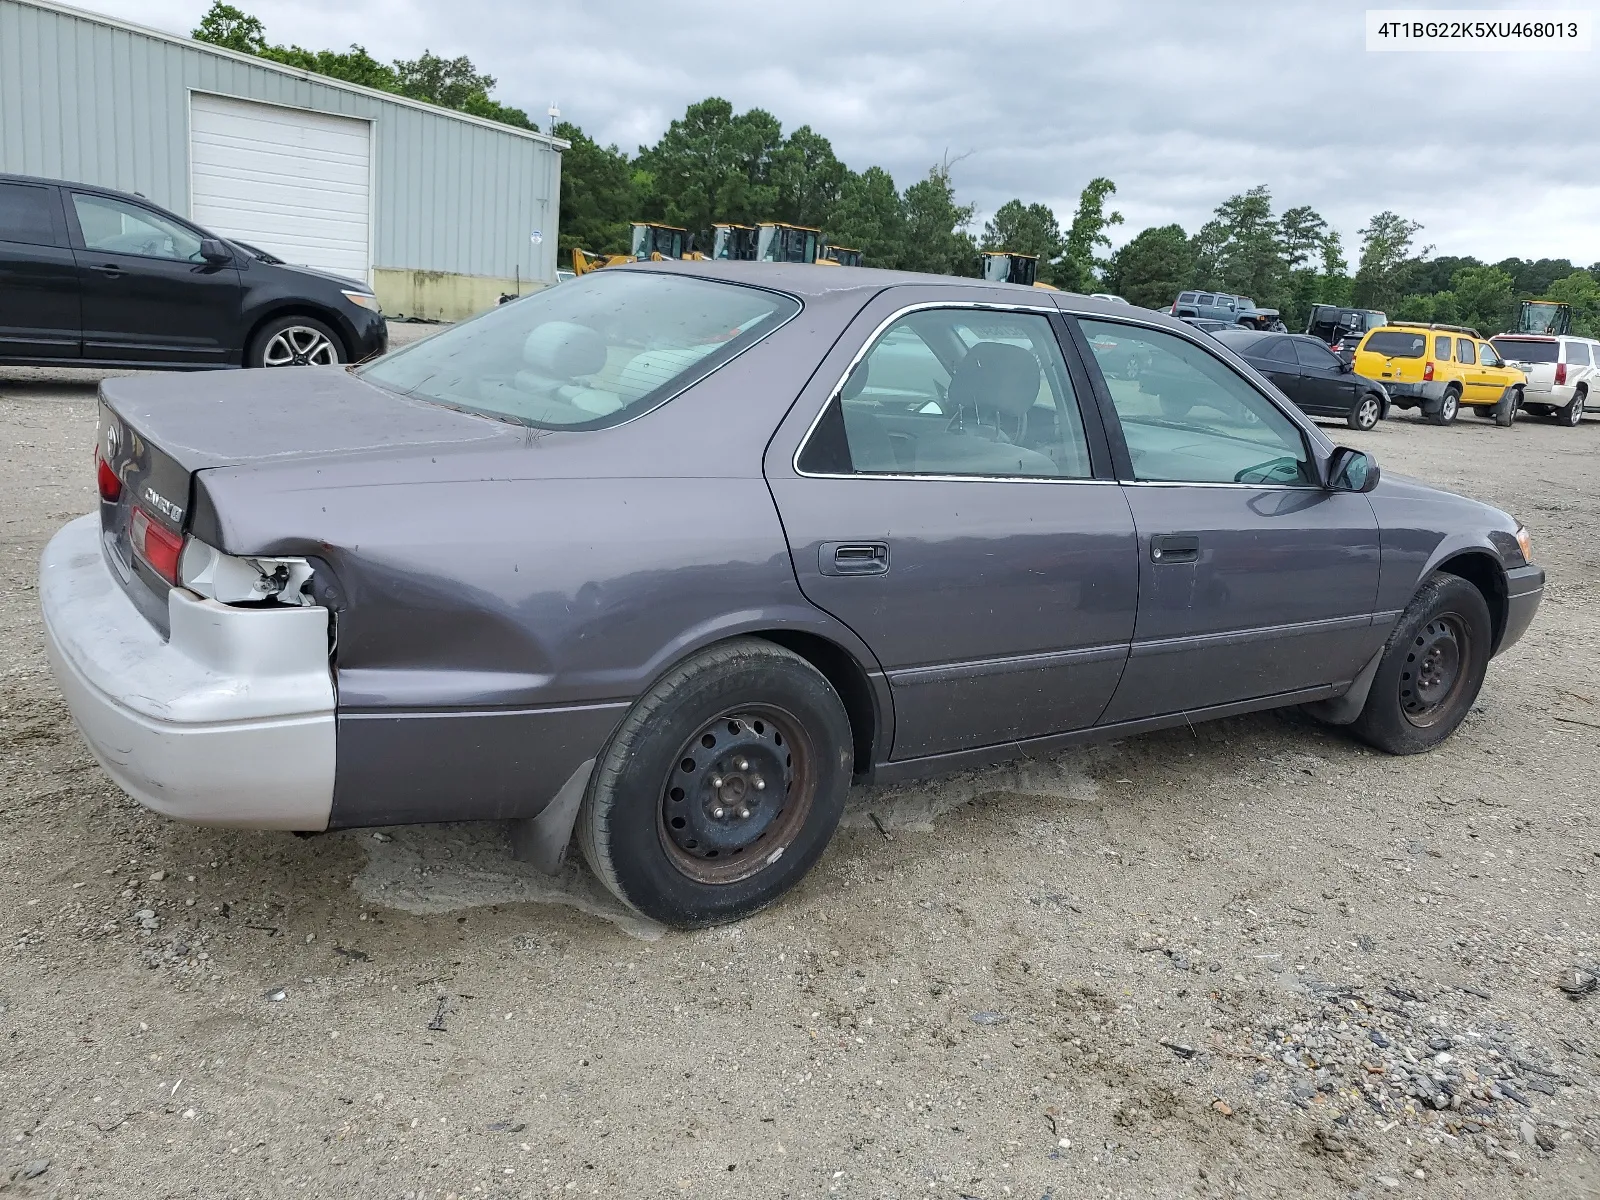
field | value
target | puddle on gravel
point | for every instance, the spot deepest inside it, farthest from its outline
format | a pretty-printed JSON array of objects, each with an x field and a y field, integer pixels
[{"x": 432, "y": 869}]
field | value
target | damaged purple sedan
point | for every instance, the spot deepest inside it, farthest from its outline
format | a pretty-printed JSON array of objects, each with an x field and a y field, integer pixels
[{"x": 670, "y": 555}]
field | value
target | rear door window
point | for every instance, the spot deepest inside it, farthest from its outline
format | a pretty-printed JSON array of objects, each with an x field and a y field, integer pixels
[
  {"x": 1464, "y": 352},
  {"x": 27, "y": 214},
  {"x": 1397, "y": 344},
  {"x": 974, "y": 393},
  {"x": 1441, "y": 348},
  {"x": 1281, "y": 350}
]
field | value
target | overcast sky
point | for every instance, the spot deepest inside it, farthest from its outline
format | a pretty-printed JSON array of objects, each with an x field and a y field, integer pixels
[{"x": 1181, "y": 103}]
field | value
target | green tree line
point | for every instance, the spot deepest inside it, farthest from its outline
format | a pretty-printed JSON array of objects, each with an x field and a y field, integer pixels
[{"x": 714, "y": 164}]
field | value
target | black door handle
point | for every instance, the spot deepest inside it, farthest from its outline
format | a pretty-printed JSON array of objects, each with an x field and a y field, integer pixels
[
  {"x": 853, "y": 558},
  {"x": 110, "y": 270},
  {"x": 1175, "y": 547}
]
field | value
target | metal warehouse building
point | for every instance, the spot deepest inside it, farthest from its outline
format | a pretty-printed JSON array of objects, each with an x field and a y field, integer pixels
[{"x": 440, "y": 211}]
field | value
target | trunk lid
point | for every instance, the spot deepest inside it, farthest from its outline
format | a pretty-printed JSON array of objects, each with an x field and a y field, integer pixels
[{"x": 157, "y": 432}]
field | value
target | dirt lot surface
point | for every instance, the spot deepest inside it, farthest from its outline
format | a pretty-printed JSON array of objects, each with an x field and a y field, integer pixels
[{"x": 1255, "y": 959}]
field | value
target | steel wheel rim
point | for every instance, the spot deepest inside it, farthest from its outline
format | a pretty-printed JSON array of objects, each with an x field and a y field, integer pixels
[
  {"x": 731, "y": 808},
  {"x": 299, "y": 346},
  {"x": 1367, "y": 414},
  {"x": 1435, "y": 671}
]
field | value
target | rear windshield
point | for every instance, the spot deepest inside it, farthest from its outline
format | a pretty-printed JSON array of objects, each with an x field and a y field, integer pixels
[
  {"x": 1394, "y": 344},
  {"x": 1518, "y": 350},
  {"x": 589, "y": 354}
]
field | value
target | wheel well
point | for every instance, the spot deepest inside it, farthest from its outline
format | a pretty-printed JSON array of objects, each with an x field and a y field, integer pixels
[
  {"x": 1485, "y": 574},
  {"x": 840, "y": 669},
  {"x": 301, "y": 310}
]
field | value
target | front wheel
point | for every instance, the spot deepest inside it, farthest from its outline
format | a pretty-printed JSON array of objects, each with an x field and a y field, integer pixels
[
  {"x": 295, "y": 341},
  {"x": 721, "y": 787},
  {"x": 1506, "y": 411},
  {"x": 1572, "y": 414},
  {"x": 1365, "y": 414},
  {"x": 1431, "y": 670}
]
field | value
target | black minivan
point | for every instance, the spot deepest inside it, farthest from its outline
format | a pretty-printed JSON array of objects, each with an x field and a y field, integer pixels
[{"x": 93, "y": 277}]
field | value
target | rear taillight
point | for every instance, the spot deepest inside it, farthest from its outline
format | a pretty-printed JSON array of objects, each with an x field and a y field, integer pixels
[
  {"x": 106, "y": 478},
  {"x": 1427, "y": 373},
  {"x": 157, "y": 545},
  {"x": 1561, "y": 373}
]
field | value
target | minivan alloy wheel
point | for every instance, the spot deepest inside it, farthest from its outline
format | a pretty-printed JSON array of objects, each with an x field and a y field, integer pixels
[{"x": 300, "y": 346}]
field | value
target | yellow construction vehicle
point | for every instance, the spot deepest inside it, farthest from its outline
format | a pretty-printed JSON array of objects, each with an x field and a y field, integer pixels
[
  {"x": 778, "y": 241},
  {"x": 1004, "y": 266},
  {"x": 734, "y": 243},
  {"x": 652, "y": 242},
  {"x": 839, "y": 256}
]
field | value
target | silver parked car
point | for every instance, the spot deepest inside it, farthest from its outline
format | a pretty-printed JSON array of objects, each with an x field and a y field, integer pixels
[{"x": 673, "y": 553}]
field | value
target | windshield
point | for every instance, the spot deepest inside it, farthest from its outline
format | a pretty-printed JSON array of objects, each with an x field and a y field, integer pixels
[
  {"x": 596, "y": 351},
  {"x": 1395, "y": 344},
  {"x": 1518, "y": 350}
]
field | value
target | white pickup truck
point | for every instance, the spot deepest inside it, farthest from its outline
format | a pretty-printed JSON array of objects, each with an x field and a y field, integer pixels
[{"x": 1562, "y": 372}]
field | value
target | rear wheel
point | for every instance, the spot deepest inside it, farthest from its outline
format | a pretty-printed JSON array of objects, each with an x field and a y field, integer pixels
[
  {"x": 296, "y": 341},
  {"x": 1448, "y": 407},
  {"x": 1365, "y": 414},
  {"x": 1572, "y": 414},
  {"x": 721, "y": 787},
  {"x": 1431, "y": 670}
]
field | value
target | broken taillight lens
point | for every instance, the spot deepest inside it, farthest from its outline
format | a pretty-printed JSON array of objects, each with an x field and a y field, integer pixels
[
  {"x": 158, "y": 546},
  {"x": 110, "y": 486}
]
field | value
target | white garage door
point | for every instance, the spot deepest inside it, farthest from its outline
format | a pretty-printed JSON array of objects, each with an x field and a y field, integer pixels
[{"x": 293, "y": 182}]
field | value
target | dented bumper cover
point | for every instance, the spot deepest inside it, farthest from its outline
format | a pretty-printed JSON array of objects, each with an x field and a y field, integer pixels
[{"x": 229, "y": 721}]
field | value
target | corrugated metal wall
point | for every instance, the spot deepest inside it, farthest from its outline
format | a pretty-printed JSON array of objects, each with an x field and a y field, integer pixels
[{"x": 97, "y": 103}]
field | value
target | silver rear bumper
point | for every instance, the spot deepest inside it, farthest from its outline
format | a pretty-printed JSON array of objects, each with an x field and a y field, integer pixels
[{"x": 230, "y": 721}]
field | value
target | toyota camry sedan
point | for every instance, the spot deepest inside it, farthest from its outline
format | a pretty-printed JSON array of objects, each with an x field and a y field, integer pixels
[{"x": 669, "y": 557}]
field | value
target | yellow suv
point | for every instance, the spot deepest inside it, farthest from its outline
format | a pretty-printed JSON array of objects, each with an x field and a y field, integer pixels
[{"x": 1441, "y": 369}]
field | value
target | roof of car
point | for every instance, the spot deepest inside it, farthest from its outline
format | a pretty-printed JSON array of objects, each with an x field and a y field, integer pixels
[
  {"x": 85, "y": 187},
  {"x": 806, "y": 279}
]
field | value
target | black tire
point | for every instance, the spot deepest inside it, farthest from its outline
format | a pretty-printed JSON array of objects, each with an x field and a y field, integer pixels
[
  {"x": 305, "y": 341},
  {"x": 1505, "y": 412},
  {"x": 1572, "y": 414},
  {"x": 1432, "y": 668},
  {"x": 759, "y": 704},
  {"x": 1449, "y": 407},
  {"x": 1367, "y": 412}
]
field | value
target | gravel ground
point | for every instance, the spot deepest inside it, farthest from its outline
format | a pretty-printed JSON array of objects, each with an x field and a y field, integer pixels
[{"x": 1253, "y": 959}]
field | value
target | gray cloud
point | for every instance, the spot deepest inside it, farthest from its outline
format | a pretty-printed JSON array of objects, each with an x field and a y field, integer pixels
[{"x": 1182, "y": 104}]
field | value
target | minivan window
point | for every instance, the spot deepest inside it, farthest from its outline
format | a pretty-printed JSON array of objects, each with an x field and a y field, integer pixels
[
  {"x": 1529, "y": 351},
  {"x": 25, "y": 214},
  {"x": 1396, "y": 343},
  {"x": 594, "y": 352}
]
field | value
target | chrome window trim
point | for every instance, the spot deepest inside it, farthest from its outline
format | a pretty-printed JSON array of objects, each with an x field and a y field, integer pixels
[{"x": 1046, "y": 311}]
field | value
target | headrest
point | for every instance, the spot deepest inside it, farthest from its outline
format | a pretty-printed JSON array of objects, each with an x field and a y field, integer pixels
[
  {"x": 564, "y": 350},
  {"x": 996, "y": 375},
  {"x": 857, "y": 381}
]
